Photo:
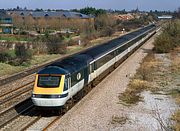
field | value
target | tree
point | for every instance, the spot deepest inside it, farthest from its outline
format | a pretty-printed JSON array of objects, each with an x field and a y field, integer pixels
[{"x": 92, "y": 11}]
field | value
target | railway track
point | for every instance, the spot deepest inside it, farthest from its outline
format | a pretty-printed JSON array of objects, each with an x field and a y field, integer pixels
[
  {"x": 13, "y": 104},
  {"x": 13, "y": 112},
  {"x": 51, "y": 123},
  {"x": 13, "y": 97},
  {"x": 31, "y": 123},
  {"x": 11, "y": 94}
]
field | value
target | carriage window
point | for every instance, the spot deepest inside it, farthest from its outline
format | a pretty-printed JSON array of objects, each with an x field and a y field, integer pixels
[
  {"x": 105, "y": 59},
  {"x": 49, "y": 81},
  {"x": 65, "y": 84}
]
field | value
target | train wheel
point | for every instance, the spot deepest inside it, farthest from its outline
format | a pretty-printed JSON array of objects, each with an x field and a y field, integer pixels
[
  {"x": 60, "y": 111},
  {"x": 69, "y": 104}
]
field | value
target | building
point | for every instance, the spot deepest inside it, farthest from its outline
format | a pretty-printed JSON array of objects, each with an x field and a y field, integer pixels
[
  {"x": 51, "y": 14},
  {"x": 40, "y": 21},
  {"x": 6, "y": 25},
  {"x": 165, "y": 17},
  {"x": 124, "y": 17}
]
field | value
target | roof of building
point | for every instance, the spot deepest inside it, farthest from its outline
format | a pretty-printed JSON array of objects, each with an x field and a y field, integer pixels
[
  {"x": 64, "y": 14},
  {"x": 124, "y": 16},
  {"x": 3, "y": 14},
  {"x": 165, "y": 17}
]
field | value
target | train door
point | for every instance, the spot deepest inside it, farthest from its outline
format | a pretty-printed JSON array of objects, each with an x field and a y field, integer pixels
[
  {"x": 86, "y": 75},
  {"x": 92, "y": 72}
]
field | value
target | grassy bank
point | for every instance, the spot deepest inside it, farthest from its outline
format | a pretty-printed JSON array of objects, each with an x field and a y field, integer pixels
[{"x": 7, "y": 69}]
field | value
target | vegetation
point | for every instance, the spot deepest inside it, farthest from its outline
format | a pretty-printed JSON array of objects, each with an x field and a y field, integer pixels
[
  {"x": 13, "y": 38},
  {"x": 7, "y": 56},
  {"x": 119, "y": 120},
  {"x": 91, "y": 11},
  {"x": 55, "y": 45},
  {"x": 23, "y": 54},
  {"x": 169, "y": 38},
  {"x": 16, "y": 57}
]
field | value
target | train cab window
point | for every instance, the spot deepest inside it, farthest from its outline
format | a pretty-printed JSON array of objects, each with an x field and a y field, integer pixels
[{"x": 49, "y": 81}]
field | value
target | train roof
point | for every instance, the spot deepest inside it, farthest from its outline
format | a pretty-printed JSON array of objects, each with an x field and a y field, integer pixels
[
  {"x": 53, "y": 70},
  {"x": 74, "y": 63}
]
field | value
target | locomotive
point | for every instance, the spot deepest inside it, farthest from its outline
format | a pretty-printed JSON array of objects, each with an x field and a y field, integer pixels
[{"x": 60, "y": 81}]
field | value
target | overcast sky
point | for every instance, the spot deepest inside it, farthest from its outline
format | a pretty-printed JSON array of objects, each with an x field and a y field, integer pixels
[{"x": 105, "y": 4}]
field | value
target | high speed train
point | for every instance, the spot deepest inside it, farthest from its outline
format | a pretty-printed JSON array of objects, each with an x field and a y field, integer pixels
[{"x": 60, "y": 81}]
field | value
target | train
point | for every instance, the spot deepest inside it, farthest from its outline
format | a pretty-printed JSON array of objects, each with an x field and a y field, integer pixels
[{"x": 58, "y": 82}]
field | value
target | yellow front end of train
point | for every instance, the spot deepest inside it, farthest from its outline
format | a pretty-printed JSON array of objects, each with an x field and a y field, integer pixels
[{"x": 49, "y": 90}]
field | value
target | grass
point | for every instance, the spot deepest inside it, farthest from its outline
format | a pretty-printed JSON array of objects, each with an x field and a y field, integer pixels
[
  {"x": 73, "y": 49},
  {"x": 40, "y": 59},
  {"x": 119, "y": 120},
  {"x": 6, "y": 69},
  {"x": 176, "y": 118},
  {"x": 175, "y": 68},
  {"x": 13, "y": 38},
  {"x": 132, "y": 94}
]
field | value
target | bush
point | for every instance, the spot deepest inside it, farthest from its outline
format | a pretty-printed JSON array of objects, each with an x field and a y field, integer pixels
[
  {"x": 102, "y": 21},
  {"x": 108, "y": 31},
  {"x": 163, "y": 43},
  {"x": 85, "y": 42},
  {"x": 56, "y": 45},
  {"x": 169, "y": 39},
  {"x": 22, "y": 54},
  {"x": 72, "y": 42},
  {"x": 5, "y": 57}
]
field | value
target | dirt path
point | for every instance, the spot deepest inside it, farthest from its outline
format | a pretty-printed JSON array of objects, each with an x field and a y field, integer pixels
[{"x": 100, "y": 111}]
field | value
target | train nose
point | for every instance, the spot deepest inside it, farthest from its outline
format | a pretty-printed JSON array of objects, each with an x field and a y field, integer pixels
[{"x": 49, "y": 100}]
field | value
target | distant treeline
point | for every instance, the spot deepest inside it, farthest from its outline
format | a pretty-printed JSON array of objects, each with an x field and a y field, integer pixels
[{"x": 91, "y": 11}]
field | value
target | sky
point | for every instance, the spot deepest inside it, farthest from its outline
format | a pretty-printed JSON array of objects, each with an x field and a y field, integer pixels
[{"x": 143, "y": 5}]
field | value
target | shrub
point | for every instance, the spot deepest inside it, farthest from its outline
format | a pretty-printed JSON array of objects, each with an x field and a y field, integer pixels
[
  {"x": 108, "y": 31},
  {"x": 72, "y": 42},
  {"x": 85, "y": 42},
  {"x": 7, "y": 56},
  {"x": 163, "y": 43},
  {"x": 169, "y": 39},
  {"x": 56, "y": 45},
  {"x": 103, "y": 21},
  {"x": 22, "y": 54}
]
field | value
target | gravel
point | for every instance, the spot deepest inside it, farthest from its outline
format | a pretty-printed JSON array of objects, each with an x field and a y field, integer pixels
[
  {"x": 41, "y": 124},
  {"x": 96, "y": 110}
]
